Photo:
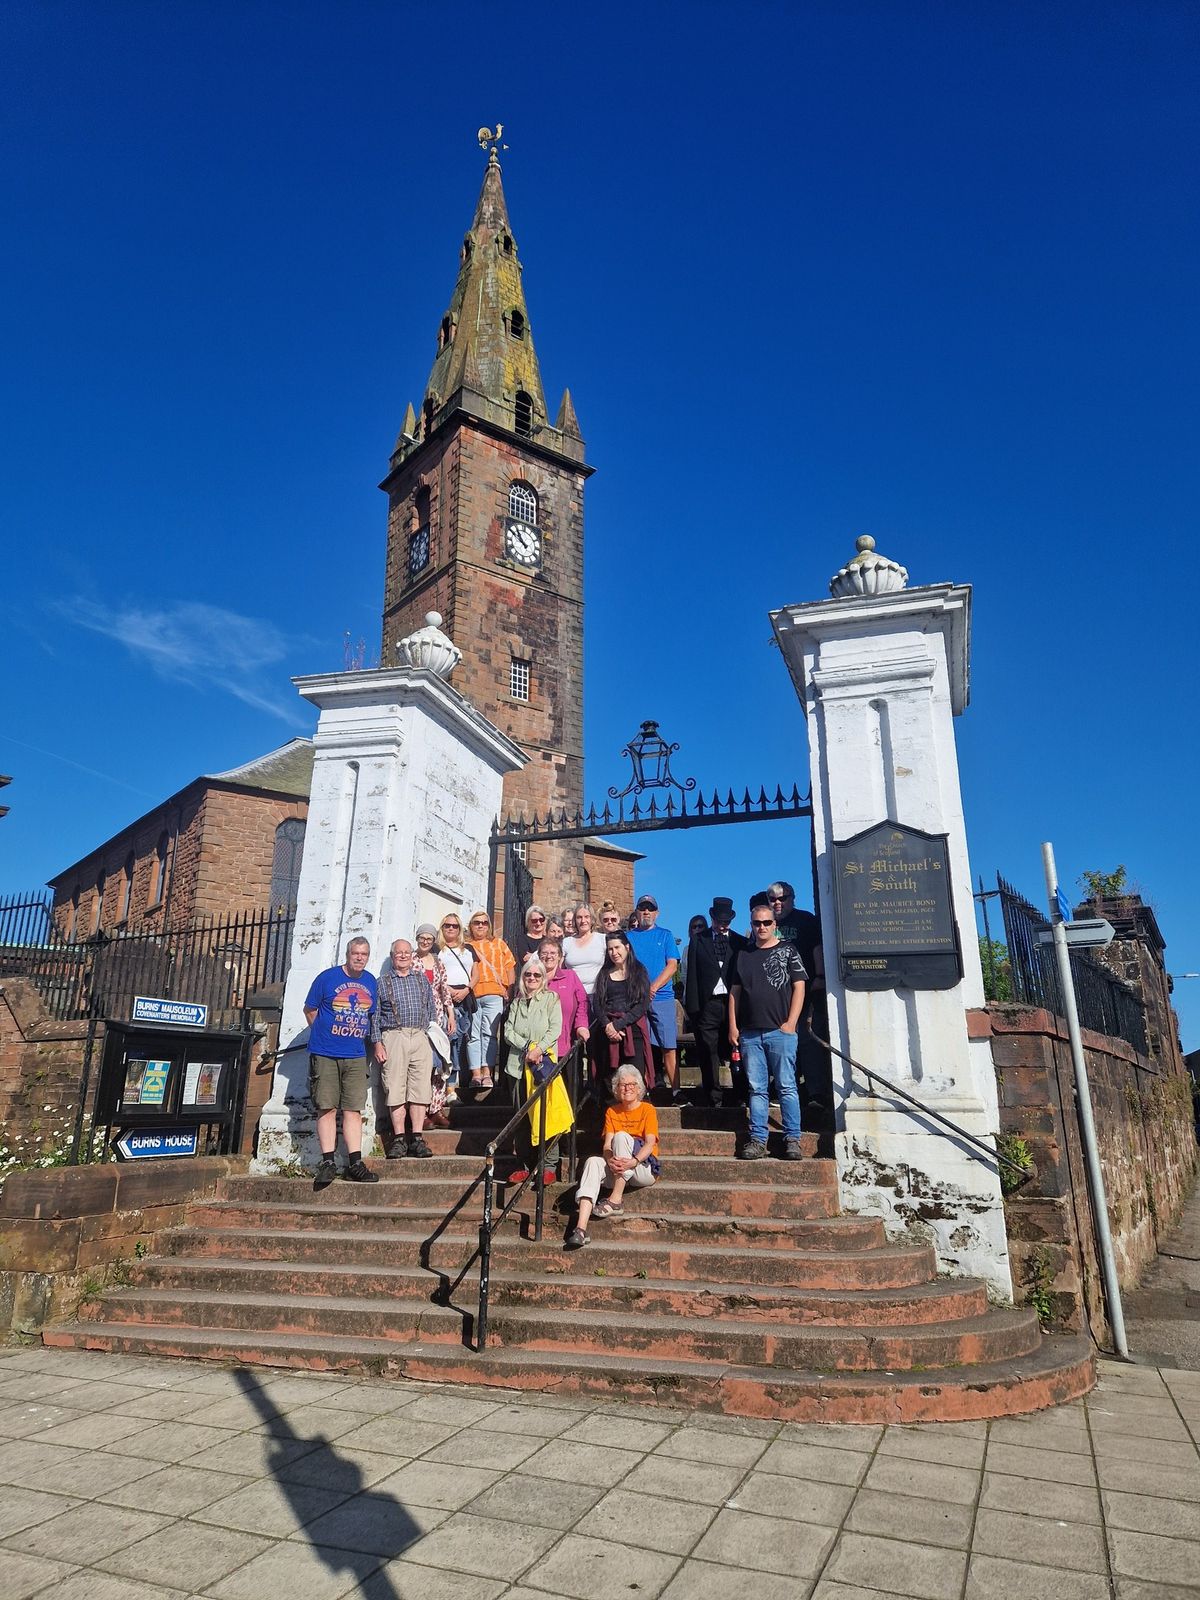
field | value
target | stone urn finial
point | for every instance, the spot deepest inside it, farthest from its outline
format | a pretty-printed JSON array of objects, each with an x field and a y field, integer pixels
[
  {"x": 429, "y": 648},
  {"x": 867, "y": 573}
]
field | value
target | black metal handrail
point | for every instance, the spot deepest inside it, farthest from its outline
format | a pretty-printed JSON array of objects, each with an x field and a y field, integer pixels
[
  {"x": 984, "y": 1150},
  {"x": 490, "y": 1223}
]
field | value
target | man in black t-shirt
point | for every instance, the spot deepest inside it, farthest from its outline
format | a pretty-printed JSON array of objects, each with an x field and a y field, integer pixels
[{"x": 766, "y": 997}]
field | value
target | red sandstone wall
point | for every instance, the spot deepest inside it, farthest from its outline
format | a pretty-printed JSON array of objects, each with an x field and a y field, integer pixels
[{"x": 1143, "y": 1116}]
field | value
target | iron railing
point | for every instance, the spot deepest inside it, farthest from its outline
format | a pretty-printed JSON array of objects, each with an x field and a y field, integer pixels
[
  {"x": 977, "y": 1147},
  {"x": 1106, "y": 1005},
  {"x": 568, "y": 1070},
  {"x": 26, "y": 918},
  {"x": 218, "y": 961}
]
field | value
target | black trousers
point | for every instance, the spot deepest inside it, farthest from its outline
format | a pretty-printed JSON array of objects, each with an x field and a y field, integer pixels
[{"x": 711, "y": 1026}]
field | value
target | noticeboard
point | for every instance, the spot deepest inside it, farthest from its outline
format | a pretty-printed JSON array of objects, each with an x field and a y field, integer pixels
[{"x": 895, "y": 910}]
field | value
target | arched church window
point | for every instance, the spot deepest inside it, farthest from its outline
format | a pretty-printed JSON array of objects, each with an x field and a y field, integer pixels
[
  {"x": 524, "y": 414},
  {"x": 285, "y": 863},
  {"x": 467, "y": 251},
  {"x": 126, "y": 888},
  {"x": 159, "y": 883},
  {"x": 98, "y": 914},
  {"x": 516, "y": 324},
  {"x": 504, "y": 244},
  {"x": 523, "y": 503},
  {"x": 446, "y": 332}
]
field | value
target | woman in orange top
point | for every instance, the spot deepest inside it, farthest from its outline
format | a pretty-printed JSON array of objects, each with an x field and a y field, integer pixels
[
  {"x": 630, "y": 1159},
  {"x": 491, "y": 984}
]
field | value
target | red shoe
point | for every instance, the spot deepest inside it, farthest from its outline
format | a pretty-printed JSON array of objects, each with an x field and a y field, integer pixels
[{"x": 518, "y": 1176}]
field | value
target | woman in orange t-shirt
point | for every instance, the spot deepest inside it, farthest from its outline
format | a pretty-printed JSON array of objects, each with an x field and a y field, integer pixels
[
  {"x": 630, "y": 1159},
  {"x": 491, "y": 984}
]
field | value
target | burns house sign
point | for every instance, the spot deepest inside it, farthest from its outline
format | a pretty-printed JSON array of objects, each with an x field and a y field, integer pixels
[{"x": 895, "y": 914}]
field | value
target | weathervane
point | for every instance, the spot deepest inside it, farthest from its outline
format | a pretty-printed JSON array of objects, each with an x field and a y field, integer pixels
[
  {"x": 488, "y": 139},
  {"x": 650, "y": 756}
]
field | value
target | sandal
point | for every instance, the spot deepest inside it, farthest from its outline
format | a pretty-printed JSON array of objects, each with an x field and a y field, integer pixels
[{"x": 607, "y": 1209}]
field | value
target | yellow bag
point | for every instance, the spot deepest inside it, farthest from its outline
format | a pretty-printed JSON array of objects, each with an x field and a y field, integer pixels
[{"x": 559, "y": 1116}]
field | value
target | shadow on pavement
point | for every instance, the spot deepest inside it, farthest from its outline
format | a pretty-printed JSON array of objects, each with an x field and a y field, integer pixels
[{"x": 366, "y": 1527}]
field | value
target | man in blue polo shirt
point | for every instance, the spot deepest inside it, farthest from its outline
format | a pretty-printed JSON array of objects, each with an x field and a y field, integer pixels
[{"x": 657, "y": 950}]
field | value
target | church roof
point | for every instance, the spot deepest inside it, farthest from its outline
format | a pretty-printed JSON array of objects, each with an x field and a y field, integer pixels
[{"x": 287, "y": 770}]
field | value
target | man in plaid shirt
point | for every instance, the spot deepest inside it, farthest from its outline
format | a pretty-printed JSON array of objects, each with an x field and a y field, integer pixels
[{"x": 402, "y": 1048}]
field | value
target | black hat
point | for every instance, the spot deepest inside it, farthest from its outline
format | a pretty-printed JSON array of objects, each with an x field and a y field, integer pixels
[
  {"x": 646, "y": 902},
  {"x": 721, "y": 909},
  {"x": 762, "y": 898}
]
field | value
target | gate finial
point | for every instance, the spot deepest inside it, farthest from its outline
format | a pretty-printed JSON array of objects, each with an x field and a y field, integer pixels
[
  {"x": 429, "y": 648},
  {"x": 867, "y": 573}
]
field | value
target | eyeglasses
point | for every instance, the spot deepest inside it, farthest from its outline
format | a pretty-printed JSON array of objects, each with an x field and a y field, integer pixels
[
  {"x": 451, "y": 924},
  {"x": 479, "y": 922},
  {"x": 537, "y": 919},
  {"x": 762, "y": 922}
]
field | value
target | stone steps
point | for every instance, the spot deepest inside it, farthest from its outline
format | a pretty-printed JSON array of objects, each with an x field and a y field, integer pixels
[
  {"x": 944, "y": 1300},
  {"x": 876, "y": 1265},
  {"x": 745, "y": 1199},
  {"x": 728, "y": 1285},
  {"x": 1058, "y": 1370},
  {"x": 744, "y": 1340}
]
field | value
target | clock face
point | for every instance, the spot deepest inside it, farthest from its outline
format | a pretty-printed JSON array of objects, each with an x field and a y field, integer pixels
[
  {"x": 418, "y": 551},
  {"x": 522, "y": 543}
]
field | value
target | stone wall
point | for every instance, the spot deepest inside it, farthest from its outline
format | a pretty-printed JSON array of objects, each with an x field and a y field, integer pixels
[
  {"x": 65, "y": 1232},
  {"x": 610, "y": 876},
  {"x": 1143, "y": 1116},
  {"x": 40, "y": 1065}
]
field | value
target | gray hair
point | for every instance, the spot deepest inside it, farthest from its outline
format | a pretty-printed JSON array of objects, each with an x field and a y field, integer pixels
[
  {"x": 534, "y": 965},
  {"x": 534, "y": 911},
  {"x": 356, "y": 941},
  {"x": 631, "y": 1072},
  {"x": 782, "y": 888},
  {"x": 588, "y": 909}
]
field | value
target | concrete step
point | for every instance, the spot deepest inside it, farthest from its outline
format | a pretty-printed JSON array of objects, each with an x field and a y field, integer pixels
[
  {"x": 883, "y": 1265},
  {"x": 1059, "y": 1369},
  {"x": 772, "y": 1233},
  {"x": 728, "y": 1119},
  {"x": 744, "y": 1199},
  {"x": 943, "y": 1301},
  {"x": 743, "y": 1340}
]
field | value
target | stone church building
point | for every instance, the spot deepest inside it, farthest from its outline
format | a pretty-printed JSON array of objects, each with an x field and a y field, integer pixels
[{"x": 485, "y": 525}]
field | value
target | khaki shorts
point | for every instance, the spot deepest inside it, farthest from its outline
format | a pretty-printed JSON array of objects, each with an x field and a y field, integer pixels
[
  {"x": 338, "y": 1083},
  {"x": 407, "y": 1074}
]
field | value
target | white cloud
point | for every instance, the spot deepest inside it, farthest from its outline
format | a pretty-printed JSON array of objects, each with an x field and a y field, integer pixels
[{"x": 201, "y": 645}]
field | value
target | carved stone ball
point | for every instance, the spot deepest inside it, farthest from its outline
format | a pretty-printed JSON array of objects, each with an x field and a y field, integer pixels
[{"x": 429, "y": 648}]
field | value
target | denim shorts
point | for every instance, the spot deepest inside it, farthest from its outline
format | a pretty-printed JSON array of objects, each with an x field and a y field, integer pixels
[{"x": 661, "y": 1018}]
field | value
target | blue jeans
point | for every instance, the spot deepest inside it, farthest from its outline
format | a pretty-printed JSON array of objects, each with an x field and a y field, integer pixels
[
  {"x": 481, "y": 1047},
  {"x": 766, "y": 1055}
]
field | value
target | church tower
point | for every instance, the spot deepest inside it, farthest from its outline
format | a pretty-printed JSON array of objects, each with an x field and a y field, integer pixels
[{"x": 485, "y": 525}]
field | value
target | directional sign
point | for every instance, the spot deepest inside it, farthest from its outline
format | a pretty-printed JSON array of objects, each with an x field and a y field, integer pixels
[
  {"x": 1063, "y": 904},
  {"x": 145, "y": 1144},
  {"x": 177, "y": 1013},
  {"x": 1089, "y": 933}
]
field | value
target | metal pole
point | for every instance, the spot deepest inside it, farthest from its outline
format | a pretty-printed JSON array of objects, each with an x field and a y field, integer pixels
[
  {"x": 1083, "y": 1097},
  {"x": 539, "y": 1185},
  {"x": 485, "y": 1251}
]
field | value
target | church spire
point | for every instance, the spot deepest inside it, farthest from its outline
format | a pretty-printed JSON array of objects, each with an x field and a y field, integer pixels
[{"x": 485, "y": 344}]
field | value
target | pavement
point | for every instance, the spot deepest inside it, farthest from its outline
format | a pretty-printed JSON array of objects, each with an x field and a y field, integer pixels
[
  {"x": 139, "y": 1478},
  {"x": 1162, "y": 1316}
]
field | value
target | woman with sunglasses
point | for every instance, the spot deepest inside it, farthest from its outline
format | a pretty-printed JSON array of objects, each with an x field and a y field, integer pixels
[
  {"x": 491, "y": 984},
  {"x": 620, "y": 1002},
  {"x": 535, "y": 931},
  {"x": 458, "y": 959}
]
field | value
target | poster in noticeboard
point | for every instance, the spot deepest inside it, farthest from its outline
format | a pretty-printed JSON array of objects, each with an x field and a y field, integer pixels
[
  {"x": 145, "y": 1082},
  {"x": 202, "y": 1083}
]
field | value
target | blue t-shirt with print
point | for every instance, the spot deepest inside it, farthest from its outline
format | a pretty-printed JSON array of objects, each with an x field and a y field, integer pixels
[
  {"x": 343, "y": 1005},
  {"x": 654, "y": 947}
]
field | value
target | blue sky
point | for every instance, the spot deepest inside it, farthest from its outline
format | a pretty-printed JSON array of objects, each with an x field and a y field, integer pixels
[{"x": 810, "y": 270}]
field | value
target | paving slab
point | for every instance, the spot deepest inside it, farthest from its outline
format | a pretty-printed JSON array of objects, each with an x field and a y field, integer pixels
[
  {"x": 484, "y": 1546},
  {"x": 646, "y": 1521},
  {"x": 199, "y": 1555},
  {"x": 999, "y": 1578},
  {"x": 1151, "y": 1557},
  {"x": 773, "y": 1495},
  {"x": 1043, "y": 1541},
  {"x": 700, "y": 1443},
  {"x": 596, "y": 1569},
  {"x": 744, "y": 1540},
  {"x": 919, "y": 1521},
  {"x": 86, "y": 1533},
  {"x": 895, "y": 1566},
  {"x": 540, "y": 1502}
]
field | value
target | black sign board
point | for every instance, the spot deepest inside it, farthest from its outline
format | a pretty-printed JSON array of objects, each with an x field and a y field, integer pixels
[{"x": 895, "y": 910}]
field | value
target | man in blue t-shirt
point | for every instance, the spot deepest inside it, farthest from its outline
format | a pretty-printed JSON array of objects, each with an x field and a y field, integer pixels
[
  {"x": 658, "y": 951},
  {"x": 338, "y": 1011}
]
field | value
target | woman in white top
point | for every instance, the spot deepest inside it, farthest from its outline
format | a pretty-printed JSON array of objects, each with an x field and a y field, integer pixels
[
  {"x": 584, "y": 954},
  {"x": 458, "y": 960}
]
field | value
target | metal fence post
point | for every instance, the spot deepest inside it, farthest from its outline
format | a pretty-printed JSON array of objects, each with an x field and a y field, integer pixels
[{"x": 485, "y": 1251}]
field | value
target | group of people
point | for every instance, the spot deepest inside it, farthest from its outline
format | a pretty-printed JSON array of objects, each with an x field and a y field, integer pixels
[{"x": 458, "y": 1007}]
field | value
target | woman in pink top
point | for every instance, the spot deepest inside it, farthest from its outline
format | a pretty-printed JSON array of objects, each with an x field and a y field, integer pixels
[{"x": 565, "y": 984}]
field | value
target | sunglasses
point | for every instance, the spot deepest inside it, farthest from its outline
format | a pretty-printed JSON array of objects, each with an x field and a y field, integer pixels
[
  {"x": 762, "y": 922},
  {"x": 451, "y": 924}
]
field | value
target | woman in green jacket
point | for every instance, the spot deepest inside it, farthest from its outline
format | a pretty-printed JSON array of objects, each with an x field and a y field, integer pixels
[{"x": 531, "y": 1032}]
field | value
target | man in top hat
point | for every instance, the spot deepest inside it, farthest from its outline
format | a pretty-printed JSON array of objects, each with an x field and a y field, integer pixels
[
  {"x": 706, "y": 997},
  {"x": 658, "y": 951}
]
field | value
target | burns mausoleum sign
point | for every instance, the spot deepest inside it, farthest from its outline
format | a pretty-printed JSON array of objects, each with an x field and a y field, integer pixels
[{"x": 895, "y": 914}]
